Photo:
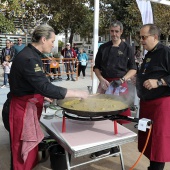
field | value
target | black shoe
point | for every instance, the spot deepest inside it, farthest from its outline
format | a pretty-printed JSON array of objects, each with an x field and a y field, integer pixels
[
  {"x": 100, "y": 154},
  {"x": 51, "y": 79},
  {"x": 59, "y": 78},
  {"x": 67, "y": 79},
  {"x": 115, "y": 150},
  {"x": 73, "y": 79}
]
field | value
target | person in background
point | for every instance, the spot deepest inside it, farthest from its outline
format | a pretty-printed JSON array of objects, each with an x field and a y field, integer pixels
[
  {"x": 114, "y": 65},
  {"x": 138, "y": 58},
  {"x": 69, "y": 52},
  {"x": 83, "y": 59},
  {"x": 153, "y": 89},
  {"x": 48, "y": 57},
  {"x": 19, "y": 46},
  {"x": 28, "y": 87},
  {"x": 6, "y": 67},
  {"x": 7, "y": 51},
  {"x": 12, "y": 44},
  {"x": 76, "y": 49},
  {"x": 54, "y": 68},
  {"x": 51, "y": 67}
]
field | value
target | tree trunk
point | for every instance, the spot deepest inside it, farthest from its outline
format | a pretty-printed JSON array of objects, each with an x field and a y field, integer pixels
[
  {"x": 71, "y": 38},
  {"x": 66, "y": 36}
]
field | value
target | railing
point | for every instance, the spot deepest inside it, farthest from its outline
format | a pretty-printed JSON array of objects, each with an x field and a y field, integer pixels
[{"x": 61, "y": 64}]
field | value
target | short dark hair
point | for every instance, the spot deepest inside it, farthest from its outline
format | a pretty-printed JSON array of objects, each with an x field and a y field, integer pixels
[
  {"x": 8, "y": 40},
  {"x": 153, "y": 29},
  {"x": 117, "y": 23}
]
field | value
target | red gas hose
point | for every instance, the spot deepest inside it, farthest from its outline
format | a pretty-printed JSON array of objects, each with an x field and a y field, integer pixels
[{"x": 146, "y": 143}]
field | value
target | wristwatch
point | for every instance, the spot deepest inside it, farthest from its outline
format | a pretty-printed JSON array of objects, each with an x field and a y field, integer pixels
[
  {"x": 159, "y": 83},
  {"x": 123, "y": 79}
]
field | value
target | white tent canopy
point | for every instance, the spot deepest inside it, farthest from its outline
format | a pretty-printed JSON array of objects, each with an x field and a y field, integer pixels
[{"x": 165, "y": 2}]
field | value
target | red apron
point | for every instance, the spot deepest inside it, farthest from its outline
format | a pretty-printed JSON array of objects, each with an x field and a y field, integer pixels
[
  {"x": 17, "y": 110},
  {"x": 102, "y": 91},
  {"x": 158, "y": 146}
]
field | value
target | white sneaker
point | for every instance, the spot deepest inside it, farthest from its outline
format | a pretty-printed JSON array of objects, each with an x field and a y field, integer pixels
[{"x": 3, "y": 86}]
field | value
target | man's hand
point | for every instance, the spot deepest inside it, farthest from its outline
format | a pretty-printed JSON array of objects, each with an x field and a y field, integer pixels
[
  {"x": 104, "y": 84},
  {"x": 48, "y": 99},
  {"x": 150, "y": 84},
  {"x": 116, "y": 83}
]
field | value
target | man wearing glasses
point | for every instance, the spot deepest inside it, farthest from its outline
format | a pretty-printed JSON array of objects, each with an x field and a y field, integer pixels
[
  {"x": 19, "y": 46},
  {"x": 114, "y": 65},
  {"x": 8, "y": 50},
  {"x": 153, "y": 89}
]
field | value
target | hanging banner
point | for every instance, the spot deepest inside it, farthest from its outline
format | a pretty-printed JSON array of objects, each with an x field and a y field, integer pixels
[{"x": 146, "y": 11}]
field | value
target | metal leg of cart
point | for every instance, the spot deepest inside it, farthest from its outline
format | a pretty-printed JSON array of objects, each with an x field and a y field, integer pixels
[
  {"x": 67, "y": 160},
  {"x": 121, "y": 159},
  {"x": 69, "y": 167}
]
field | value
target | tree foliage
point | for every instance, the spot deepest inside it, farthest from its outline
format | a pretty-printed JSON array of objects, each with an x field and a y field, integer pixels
[
  {"x": 77, "y": 16},
  {"x": 6, "y": 25},
  {"x": 161, "y": 18},
  {"x": 71, "y": 15}
]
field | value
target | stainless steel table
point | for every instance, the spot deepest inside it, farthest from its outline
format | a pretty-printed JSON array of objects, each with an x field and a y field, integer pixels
[{"x": 83, "y": 138}]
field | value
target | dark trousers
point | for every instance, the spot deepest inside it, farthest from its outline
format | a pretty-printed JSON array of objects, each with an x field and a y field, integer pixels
[
  {"x": 69, "y": 67},
  {"x": 46, "y": 65},
  {"x": 156, "y": 165},
  {"x": 82, "y": 68}
]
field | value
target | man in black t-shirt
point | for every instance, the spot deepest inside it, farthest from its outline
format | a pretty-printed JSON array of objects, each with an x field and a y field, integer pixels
[
  {"x": 153, "y": 89},
  {"x": 114, "y": 65}
]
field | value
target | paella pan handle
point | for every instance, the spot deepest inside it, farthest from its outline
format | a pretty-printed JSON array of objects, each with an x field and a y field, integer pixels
[{"x": 122, "y": 117}]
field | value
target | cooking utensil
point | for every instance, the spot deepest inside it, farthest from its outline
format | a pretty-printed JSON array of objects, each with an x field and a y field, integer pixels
[{"x": 94, "y": 113}]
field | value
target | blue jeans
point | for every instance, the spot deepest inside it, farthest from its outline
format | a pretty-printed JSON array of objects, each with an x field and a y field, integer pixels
[{"x": 6, "y": 77}]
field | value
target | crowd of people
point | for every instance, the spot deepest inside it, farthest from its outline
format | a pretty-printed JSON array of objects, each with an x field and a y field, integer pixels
[
  {"x": 115, "y": 64},
  {"x": 71, "y": 57},
  {"x": 7, "y": 56}
]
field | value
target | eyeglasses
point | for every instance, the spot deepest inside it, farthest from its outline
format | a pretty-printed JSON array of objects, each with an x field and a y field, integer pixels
[
  {"x": 67, "y": 45},
  {"x": 19, "y": 40},
  {"x": 144, "y": 37}
]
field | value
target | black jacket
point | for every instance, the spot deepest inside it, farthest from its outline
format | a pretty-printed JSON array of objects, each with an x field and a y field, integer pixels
[
  {"x": 11, "y": 53},
  {"x": 28, "y": 77}
]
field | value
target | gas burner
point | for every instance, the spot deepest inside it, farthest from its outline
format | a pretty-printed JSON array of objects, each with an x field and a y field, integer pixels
[{"x": 99, "y": 118}]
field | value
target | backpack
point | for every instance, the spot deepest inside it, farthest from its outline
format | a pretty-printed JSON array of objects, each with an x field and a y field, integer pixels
[{"x": 5, "y": 112}]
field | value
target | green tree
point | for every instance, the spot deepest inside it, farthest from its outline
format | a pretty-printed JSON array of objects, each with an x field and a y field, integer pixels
[
  {"x": 161, "y": 19},
  {"x": 6, "y": 26},
  {"x": 75, "y": 16},
  {"x": 24, "y": 14},
  {"x": 70, "y": 15}
]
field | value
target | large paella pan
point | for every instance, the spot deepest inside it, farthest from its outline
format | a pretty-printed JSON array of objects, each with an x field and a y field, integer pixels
[{"x": 95, "y": 105}]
